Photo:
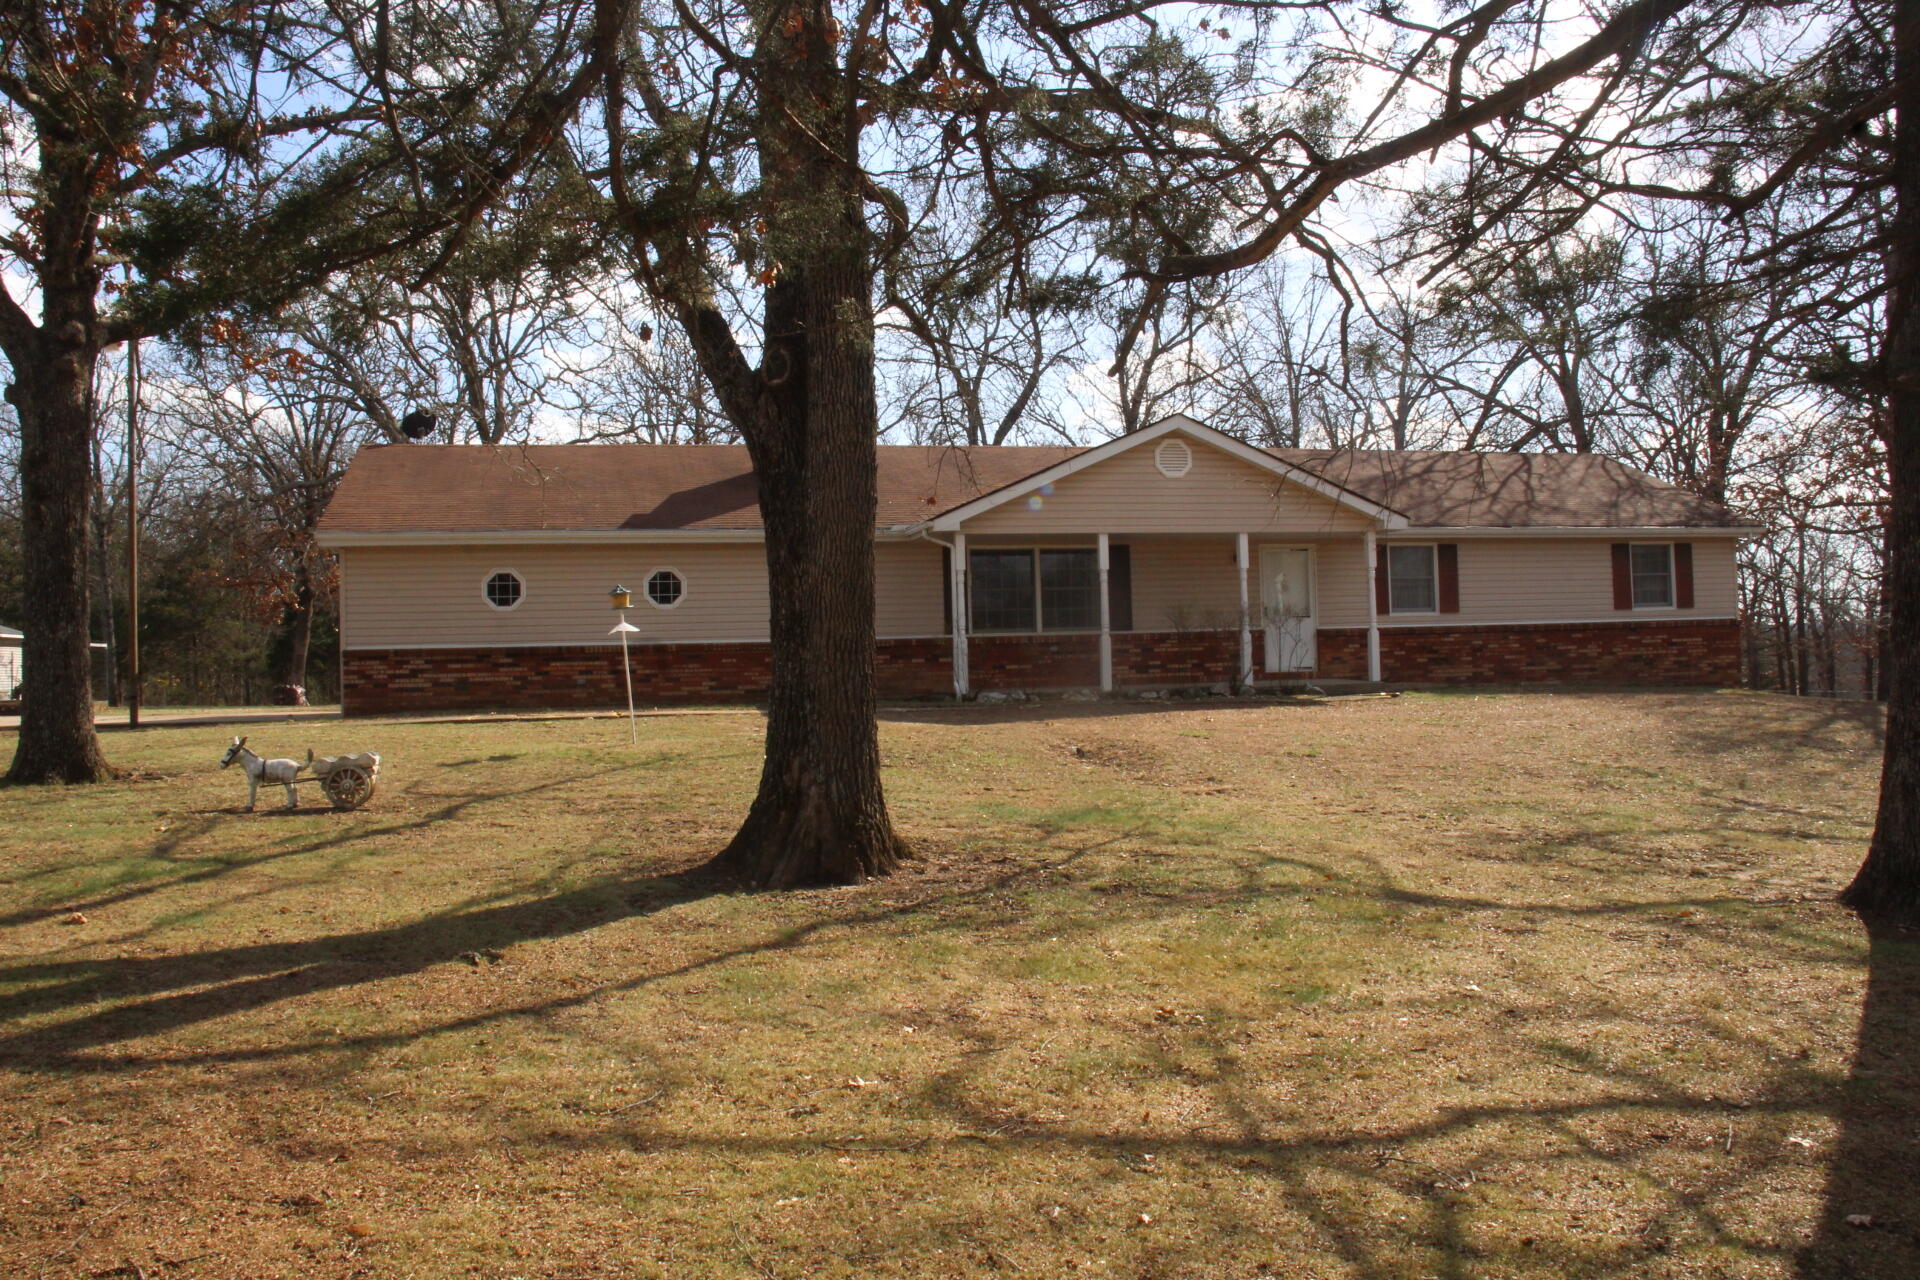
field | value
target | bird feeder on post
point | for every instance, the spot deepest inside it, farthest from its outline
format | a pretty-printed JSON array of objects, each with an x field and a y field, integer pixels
[{"x": 622, "y": 601}]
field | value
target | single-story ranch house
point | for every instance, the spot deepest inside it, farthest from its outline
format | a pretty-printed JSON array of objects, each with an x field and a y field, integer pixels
[{"x": 475, "y": 576}]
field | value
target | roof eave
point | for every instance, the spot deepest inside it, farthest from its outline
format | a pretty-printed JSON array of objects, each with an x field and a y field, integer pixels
[
  {"x": 339, "y": 538},
  {"x": 1584, "y": 531},
  {"x": 461, "y": 537}
]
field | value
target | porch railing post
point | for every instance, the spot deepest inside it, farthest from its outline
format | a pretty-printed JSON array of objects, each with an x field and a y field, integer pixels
[
  {"x": 957, "y": 589},
  {"x": 1373, "y": 609},
  {"x": 1106, "y": 623},
  {"x": 1240, "y": 557}
]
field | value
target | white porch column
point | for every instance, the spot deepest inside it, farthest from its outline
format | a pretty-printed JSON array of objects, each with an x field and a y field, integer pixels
[
  {"x": 1106, "y": 623},
  {"x": 957, "y": 588},
  {"x": 1373, "y": 608},
  {"x": 1240, "y": 557}
]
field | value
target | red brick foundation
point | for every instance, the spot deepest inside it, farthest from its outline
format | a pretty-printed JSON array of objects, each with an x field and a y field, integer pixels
[
  {"x": 1342, "y": 655},
  {"x": 1156, "y": 659},
  {"x": 379, "y": 681},
  {"x": 1033, "y": 662},
  {"x": 1643, "y": 652},
  {"x": 383, "y": 681}
]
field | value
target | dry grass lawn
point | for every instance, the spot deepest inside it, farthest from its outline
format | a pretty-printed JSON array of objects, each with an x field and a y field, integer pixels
[{"x": 1436, "y": 986}]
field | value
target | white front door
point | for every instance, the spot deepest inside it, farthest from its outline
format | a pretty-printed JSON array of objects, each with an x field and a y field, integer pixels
[{"x": 1286, "y": 607}]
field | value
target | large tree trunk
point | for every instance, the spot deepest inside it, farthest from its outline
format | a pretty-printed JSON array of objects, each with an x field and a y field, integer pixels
[
  {"x": 52, "y": 390},
  {"x": 1888, "y": 885},
  {"x": 820, "y": 816},
  {"x": 57, "y": 742},
  {"x": 292, "y": 689}
]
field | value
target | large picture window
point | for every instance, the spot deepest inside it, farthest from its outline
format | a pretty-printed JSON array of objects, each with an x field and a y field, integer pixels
[
  {"x": 1653, "y": 575},
  {"x": 1412, "y": 580},
  {"x": 1045, "y": 589}
]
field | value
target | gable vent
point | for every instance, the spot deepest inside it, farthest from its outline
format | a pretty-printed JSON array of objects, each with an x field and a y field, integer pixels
[{"x": 1173, "y": 457}]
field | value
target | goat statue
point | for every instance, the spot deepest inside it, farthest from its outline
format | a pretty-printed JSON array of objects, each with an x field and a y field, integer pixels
[{"x": 260, "y": 770}]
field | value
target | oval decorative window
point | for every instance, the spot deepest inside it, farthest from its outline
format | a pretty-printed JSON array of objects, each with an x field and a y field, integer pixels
[
  {"x": 1174, "y": 458},
  {"x": 666, "y": 588},
  {"x": 504, "y": 589}
]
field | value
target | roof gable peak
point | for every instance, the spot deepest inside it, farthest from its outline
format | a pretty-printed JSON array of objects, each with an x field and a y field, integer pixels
[{"x": 1200, "y": 432}]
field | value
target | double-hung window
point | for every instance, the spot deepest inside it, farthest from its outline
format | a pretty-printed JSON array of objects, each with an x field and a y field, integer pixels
[
  {"x": 1035, "y": 589},
  {"x": 1003, "y": 597},
  {"x": 1652, "y": 567},
  {"x": 1413, "y": 579}
]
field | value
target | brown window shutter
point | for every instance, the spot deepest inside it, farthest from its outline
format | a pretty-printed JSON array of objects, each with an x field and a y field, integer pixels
[
  {"x": 1448, "y": 558},
  {"x": 1382, "y": 597},
  {"x": 946, "y": 588},
  {"x": 1622, "y": 576},
  {"x": 1119, "y": 587},
  {"x": 1683, "y": 575}
]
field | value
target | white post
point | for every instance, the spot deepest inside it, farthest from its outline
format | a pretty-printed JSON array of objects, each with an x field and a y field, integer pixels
[
  {"x": 623, "y": 630},
  {"x": 1106, "y": 623},
  {"x": 1373, "y": 608},
  {"x": 957, "y": 589},
  {"x": 1240, "y": 558}
]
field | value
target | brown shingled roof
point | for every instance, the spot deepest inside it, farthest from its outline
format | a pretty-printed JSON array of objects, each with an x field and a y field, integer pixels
[
  {"x": 414, "y": 488},
  {"x": 477, "y": 488},
  {"x": 1510, "y": 490}
]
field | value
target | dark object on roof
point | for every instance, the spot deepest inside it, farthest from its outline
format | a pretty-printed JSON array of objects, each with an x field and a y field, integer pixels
[{"x": 417, "y": 425}]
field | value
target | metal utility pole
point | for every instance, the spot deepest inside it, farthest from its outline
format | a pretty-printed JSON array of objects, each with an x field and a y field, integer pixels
[{"x": 133, "y": 533}]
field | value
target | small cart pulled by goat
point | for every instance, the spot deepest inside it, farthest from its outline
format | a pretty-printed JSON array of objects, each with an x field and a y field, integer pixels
[{"x": 348, "y": 780}]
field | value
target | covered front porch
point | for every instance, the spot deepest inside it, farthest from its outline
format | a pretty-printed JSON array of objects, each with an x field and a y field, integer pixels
[{"x": 1115, "y": 611}]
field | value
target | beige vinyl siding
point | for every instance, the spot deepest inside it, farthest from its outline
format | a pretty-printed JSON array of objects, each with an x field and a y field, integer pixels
[
  {"x": 910, "y": 590},
  {"x": 1184, "y": 584},
  {"x": 1340, "y": 592},
  {"x": 1562, "y": 580},
  {"x": 1192, "y": 582},
  {"x": 1128, "y": 494},
  {"x": 431, "y": 596}
]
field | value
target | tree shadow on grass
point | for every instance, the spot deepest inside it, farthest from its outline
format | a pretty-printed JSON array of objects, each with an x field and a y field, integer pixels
[
  {"x": 956, "y": 714},
  {"x": 174, "y": 844},
  {"x": 169, "y": 993},
  {"x": 1335, "y": 1177},
  {"x": 1790, "y": 733},
  {"x": 155, "y": 995},
  {"x": 1870, "y": 1223}
]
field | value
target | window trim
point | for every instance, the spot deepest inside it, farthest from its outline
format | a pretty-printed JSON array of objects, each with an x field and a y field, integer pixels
[
  {"x": 646, "y": 584},
  {"x": 486, "y": 580},
  {"x": 1673, "y": 580},
  {"x": 1033, "y": 551},
  {"x": 1433, "y": 565}
]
